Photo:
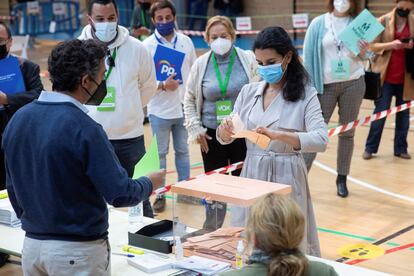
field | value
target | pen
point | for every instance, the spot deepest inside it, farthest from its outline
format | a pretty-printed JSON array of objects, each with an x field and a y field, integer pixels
[{"x": 122, "y": 254}]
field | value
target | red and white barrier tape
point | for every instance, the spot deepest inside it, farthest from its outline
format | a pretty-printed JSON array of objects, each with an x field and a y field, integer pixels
[
  {"x": 254, "y": 32},
  {"x": 223, "y": 170},
  {"x": 6, "y": 17},
  {"x": 374, "y": 117}
]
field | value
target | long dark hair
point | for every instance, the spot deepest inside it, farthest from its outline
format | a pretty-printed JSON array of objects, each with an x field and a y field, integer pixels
[{"x": 297, "y": 78}]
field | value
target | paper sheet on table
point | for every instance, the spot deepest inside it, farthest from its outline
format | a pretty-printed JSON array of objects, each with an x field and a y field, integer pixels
[
  {"x": 240, "y": 131},
  {"x": 150, "y": 162}
]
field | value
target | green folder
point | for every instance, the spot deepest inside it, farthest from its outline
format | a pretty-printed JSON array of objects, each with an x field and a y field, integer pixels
[
  {"x": 150, "y": 162},
  {"x": 364, "y": 27}
]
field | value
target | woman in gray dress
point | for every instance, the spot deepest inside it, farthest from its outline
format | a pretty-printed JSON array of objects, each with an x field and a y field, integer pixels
[{"x": 286, "y": 109}]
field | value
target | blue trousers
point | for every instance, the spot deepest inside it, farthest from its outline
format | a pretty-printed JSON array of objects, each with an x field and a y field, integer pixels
[
  {"x": 402, "y": 120},
  {"x": 163, "y": 128},
  {"x": 129, "y": 152}
]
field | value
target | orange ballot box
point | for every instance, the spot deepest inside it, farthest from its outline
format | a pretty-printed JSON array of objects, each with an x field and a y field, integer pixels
[{"x": 214, "y": 228}]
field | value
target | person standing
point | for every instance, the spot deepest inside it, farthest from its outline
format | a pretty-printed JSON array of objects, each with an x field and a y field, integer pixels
[
  {"x": 11, "y": 101},
  {"x": 390, "y": 60},
  {"x": 285, "y": 108},
  {"x": 62, "y": 170},
  {"x": 141, "y": 24},
  {"x": 338, "y": 76},
  {"x": 214, "y": 83},
  {"x": 165, "y": 108},
  {"x": 131, "y": 82}
]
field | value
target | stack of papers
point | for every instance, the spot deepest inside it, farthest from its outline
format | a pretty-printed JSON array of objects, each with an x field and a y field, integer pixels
[
  {"x": 7, "y": 214},
  {"x": 203, "y": 265},
  {"x": 150, "y": 263},
  {"x": 219, "y": 245}
]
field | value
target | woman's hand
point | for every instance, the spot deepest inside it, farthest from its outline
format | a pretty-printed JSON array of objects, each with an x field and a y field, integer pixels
[
  {"x": 225, "y": 130},
  {"x": 269, "y": 133},
  {"x": 202, "y": 140},
  {"x": 409, "y": 45},
  {"x": 396, "y": 45},
  {"x": 363, "y": 47}
]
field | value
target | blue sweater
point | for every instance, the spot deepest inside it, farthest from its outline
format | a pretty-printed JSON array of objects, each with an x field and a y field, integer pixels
[
  {"x": 312, "y": 51},
  {"x": 61, "y": 169}
]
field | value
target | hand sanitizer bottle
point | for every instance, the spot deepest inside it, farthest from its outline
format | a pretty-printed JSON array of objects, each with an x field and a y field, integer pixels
[{"x": 239, "y": 255}]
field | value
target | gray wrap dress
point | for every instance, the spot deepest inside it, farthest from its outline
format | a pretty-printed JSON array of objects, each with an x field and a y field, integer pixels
[{"x": 281, "y": 163}]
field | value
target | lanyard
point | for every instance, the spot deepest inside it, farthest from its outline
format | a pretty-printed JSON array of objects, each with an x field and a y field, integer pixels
[
  {"x": 174, "y": 42},
  {"x": 111, "y": 66},
  {"x": 338, "y": 42},
  {"x": 143, "y": 20},
  {"x": 223, "y": 86}
]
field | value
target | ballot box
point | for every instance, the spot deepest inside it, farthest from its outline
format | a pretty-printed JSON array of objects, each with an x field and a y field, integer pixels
[{"x": 214, "y": 227}]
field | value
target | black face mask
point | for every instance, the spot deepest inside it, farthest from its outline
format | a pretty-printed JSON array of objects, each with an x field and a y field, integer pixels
[
  {"x": 99, "y": 95},
  {"x": 403, "y": 12},
  {"x": 3, "y": 51}
]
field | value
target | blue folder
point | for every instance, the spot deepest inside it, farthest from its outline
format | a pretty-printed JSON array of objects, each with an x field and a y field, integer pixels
[
  {"x": 11, "y": 78},
  {"x": 168, "y": 61}
]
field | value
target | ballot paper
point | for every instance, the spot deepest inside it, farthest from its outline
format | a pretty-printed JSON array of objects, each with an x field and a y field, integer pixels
[
  {"x": 7, "y": 214},
  {"x": 203, "y": 265},
  {"x": 240, "y": 131}
]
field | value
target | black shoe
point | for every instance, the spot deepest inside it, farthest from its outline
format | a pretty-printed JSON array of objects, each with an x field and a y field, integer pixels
[
  {"x": 159, "y": 204},
  {"x": 403, "y": 155},
  {"x": 342, "y": 190}
]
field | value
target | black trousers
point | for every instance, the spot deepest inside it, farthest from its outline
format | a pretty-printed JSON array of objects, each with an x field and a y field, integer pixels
[{"x": 217, "y": 157}]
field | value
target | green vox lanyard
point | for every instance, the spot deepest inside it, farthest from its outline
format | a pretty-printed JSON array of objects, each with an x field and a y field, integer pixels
[
  {"x": 143, "y": 20},
  {"x": 111, "y": 66},
  {"x": 223, "y": 86}
]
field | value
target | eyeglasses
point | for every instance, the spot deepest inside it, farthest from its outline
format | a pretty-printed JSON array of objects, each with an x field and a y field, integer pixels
[
  {"x": 4, "y": 41},
  {"x": 110, "y": 60}
]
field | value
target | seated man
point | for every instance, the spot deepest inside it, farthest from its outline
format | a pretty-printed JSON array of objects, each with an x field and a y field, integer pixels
[{"x": 62, "y": 170}]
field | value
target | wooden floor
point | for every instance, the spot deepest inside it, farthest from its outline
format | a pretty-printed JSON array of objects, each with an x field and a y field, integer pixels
[{"x": 365, "y": 216}]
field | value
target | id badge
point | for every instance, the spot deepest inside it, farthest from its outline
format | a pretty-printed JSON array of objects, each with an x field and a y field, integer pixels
[
  {"x": 108, "y": 103},
  {"x": 223, "y": 109},
  {"x": 341, "y": 69}
]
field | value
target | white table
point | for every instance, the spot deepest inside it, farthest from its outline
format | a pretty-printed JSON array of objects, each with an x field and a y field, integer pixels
[{"x": 11, "y": 242}]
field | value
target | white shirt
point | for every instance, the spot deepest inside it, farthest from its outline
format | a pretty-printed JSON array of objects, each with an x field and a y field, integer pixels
[
  {"x": 133, "y": 79},
  {"x": 57, "y": 97},
  {"x": 330, "y": 51},
  {"x": 168, "y": 104}
]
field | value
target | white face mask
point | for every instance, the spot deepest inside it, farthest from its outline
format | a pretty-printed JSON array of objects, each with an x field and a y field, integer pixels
[
  {"x": 342, "y": 5},
  {"x": 221, "y": 46},
  {"x": 105, "y": 31}
]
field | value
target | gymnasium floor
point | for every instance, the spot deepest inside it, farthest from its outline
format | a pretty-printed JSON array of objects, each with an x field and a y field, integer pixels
[{"x": 366, "y": 216}]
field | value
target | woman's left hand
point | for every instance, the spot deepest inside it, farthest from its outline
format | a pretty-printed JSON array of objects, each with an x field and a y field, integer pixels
[
  {"x": 269, "y": 133},
  {"x": 363, "y": 47}
]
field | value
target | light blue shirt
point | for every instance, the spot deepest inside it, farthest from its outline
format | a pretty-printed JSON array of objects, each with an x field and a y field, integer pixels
[{"x": 57, "y": 97}]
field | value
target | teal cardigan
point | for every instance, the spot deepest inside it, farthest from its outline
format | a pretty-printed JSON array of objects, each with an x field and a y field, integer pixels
[{"x": 312, "y": 52}]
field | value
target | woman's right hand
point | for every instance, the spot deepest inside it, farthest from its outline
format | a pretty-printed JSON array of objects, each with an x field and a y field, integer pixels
[
  {"x": 396, "y": 45},
  {"x": 225, "y": 130},
  {"x": 202, "y": 140}
]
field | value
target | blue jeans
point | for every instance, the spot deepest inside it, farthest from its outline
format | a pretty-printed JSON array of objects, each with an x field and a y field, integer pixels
[
  {"x": 129, "y": 152},
  {"x": 162, "y": 128},
  {"x": 402, "y": 120}
]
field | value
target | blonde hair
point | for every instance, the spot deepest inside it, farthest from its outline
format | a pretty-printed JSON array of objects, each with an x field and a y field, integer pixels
[
  {"x": 276, "y": 226},
  {"x": 223, "y": 20}
]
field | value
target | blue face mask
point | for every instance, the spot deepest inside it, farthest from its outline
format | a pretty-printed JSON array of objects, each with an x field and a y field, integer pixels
[
  {"x": 165, "y": 28},
  {"x": 271, "y": 73}
]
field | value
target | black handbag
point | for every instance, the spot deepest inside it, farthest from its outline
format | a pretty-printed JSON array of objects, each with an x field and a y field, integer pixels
[{"x": 373, "y": 89}]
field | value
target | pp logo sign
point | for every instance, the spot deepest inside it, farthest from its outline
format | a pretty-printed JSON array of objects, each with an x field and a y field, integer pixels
[{"x": 166, "y": 68}]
